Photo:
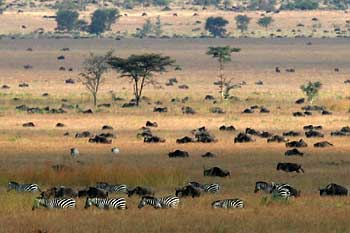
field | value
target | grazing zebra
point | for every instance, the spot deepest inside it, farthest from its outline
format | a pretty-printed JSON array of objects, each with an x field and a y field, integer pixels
[
  {"x": 23, "y": 187},
  {"x": 169, "y": 201},
  {"x": 149, "y": 200},
  {"x": 105, "y": 203},
  {"x": 282, "y": 193},
  {"x": 57, "y": 203},
  {"x": 293, "y": 192},
  {"x": 264, "y": 186},
  {"x": 211, "y": 188},
  {"x": 228, "y": 203},
  {"x": 113, "y": 188}
]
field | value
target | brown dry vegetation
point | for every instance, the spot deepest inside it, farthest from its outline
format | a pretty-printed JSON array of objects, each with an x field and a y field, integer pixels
[{"x": 26, "y": 155}]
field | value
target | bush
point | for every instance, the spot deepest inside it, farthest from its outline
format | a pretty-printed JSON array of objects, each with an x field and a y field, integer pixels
[
  {"x": 102, "y": 20},
  {"x": 216, "y": 26},
  {"x": 66, "y": 19},
  {"x": 301, "y": 5},
  {"x": 263, "y": 5}
]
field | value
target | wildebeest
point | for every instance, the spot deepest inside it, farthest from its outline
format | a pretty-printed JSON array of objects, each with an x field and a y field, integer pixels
[
  {"x": 209, "y": 155},
  {"x": 291, "y": 133},
  {"x": 312, "y": 127},
  {"x": 151, "y": 124},
  {"x": 141, "y": 191},
  {"x": 216, "y": 171},
  {"x": 28, "y": 124},
  {"x": 264, "y": 186},
  {"x": 160, "y": 109},
  {"x": 227, "y": 128},
  {"x": 92, "y": 192},
  {"x": 293, "y": 152},
  {"x": 153, "y": 139},
  {"x": 242, "y": 137},
  {"x": 188, "y": 190},
  {"x": 183, "y": 140},
  {"x": 65, "y": 192},
  {"x": 300, "y": 101},
  {"x": 334, "y": 190},
  {"x": 290, "y": 167},
  {"x": 277, "y": 138},
  {"x": 313, "y": 133},
  {"x": 84, "y": 134},
  {"x": 323, "y": 144},
  {"x": 300, "y": 143},
  {"x": 178, "y": 154},
  {"x": 100, "y": 139}
]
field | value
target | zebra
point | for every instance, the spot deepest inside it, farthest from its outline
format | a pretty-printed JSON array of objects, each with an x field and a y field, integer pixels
[
  {"x": 264, "y": 186},
  {"x": 282, "y": 193},
  {"x": 169, "y": 201},
  {"x": 293, "y": 192},
  {"x": 56, "y": 203},
  {"x": 149, "y": 200},
  {"x": 228, "y": 203},
  {"x": 74, "y": 152},
  {"x": 211, "y": 188},
  {"x": 105, "y": 203},
  {"x": 22, "y": 187},
  {"x": 115, "y": 150},
  {"x": 113, "y": 188}
]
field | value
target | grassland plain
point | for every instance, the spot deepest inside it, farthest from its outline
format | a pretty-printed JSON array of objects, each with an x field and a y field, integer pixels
[{"x": 26, "y": 155}]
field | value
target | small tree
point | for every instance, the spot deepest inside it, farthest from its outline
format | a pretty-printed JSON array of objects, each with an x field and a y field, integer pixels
[
  {"x": 311, "y": 90},
  {"x": 146, "y": 29},
  {"x": 223, "y": 55},
  {"x": 158, "y": 27},
  {"x": 93, "y": 69},
  {"x": 140, "y": 70},
  {"x": 265, "y": 21},
  {"x": 102, "y": 19},
  {"x": 242, "y": 22},
  {"x": 216, "y": 26},
  {"x": 66, "y": 19}
]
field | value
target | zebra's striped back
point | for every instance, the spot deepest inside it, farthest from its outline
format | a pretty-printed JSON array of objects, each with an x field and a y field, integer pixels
[
  {"x": 119, "y": 188},
  {"x": 211, "y": 188},
  {"x": 149, "y": 200},
  {"x": 228, "y": 203},
  {"x": 105, "y": 203},
  {"x": 22, "y": 187},
  {"x": 56, "y": 203},
  {"x": 169, "y": 201},
  {"x": 281, "y": 192}
]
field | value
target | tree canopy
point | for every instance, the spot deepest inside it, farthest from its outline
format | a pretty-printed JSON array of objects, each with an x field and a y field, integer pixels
[{"x": 216, "y": 26}]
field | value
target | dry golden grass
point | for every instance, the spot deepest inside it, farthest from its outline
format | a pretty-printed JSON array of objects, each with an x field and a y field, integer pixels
[{"x": 26, "y": 155}]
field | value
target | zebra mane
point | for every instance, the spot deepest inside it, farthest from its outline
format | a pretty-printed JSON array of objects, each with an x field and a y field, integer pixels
[
  {"x": 13, "y": 182},
  {"x": 148, "y": 197}
]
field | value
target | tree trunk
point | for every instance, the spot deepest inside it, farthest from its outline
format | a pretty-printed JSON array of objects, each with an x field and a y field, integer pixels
[{"x": 94, "y": 96}]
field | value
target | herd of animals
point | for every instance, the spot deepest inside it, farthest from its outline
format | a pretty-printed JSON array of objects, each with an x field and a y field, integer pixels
[{"x": 98, "y": 196}]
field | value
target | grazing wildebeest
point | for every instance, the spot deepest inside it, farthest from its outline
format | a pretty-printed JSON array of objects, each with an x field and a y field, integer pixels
[
  {"x": 188, "y": 190},
  {"x": 107, "y": 127},
  {"x": 277, "y": 138},
  {"x": 323, "y": 144},
  {"x": 160, "y": 109},
  {"x": 178, "y": 154},
  {"x": 153, "y": 139},
  {"x": 293, "y": 152},
  {"x": 291, "y": 133},
  {"x": 92, "y": 192},
  {"x": 216, "y": 171},
  {"x": 300, "y": 101},
  {"x": 313, "y": 133},
  {"x": 183, "y": 140},
  {"x": 209, "y": 155},
  {"x": 65, "y": 192},
  {"x": 264, "y": 186},
  {"x": 28, "y": 124},
  {"x": 227, "y": 128},
  {"x": 100, "y": 139},
  {"x": 141, "y": 191},
  {"x": 60, "y": 125},
  {"x": 290, "y": 167},
  {"x": 84, "y": 134},
  {"x": 242, "y": 137},
  {"x": 248, "y": 111},
  {"x": 312, "y": 127},
  {"x": 151, "y": 124},
  {"x": 334, "y": 190},
  {"x": 300, "y": 143}
]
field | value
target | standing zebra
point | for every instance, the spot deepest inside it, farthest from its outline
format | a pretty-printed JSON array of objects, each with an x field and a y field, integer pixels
[
  {"x": 105, "y": 203},
  {"x": 228, "y": 203},
  {"x": 113, "y": 188},
  {"x": 57, "y": 203},
  {"x": 149, "y": 200},
  {"x": 23, "y": 187},
  {"x": 169, "y": 201}
]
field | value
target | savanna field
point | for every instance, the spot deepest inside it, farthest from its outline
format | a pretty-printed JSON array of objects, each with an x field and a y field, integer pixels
[{"x": 28, "y": 154}]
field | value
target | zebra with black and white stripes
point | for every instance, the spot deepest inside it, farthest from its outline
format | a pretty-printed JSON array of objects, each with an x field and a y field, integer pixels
[
  {"x": 169, "y": 201},
  {"x": 22, "y": 187},
  {"x": 163, "y": 202},
  {"x": 149, "y": 200},
  {"x": 292, "y": 191},
  {"x": 113, "y": 188},
  {"x": 281, "y": 193},
  {"x": 228, "y": 203},
  {"x": 106, "y": 203},
  {"x": 56, "y": 203},
  {"x": 208, "y": 188}
]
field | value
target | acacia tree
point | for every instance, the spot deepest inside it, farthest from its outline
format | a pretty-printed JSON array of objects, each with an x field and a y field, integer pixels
[
  {"x": 223, "y": 55},
  {"x": 140, "y": 69},
  {"x": 242, "y": 22},
  {"x": 265, "y": 21},
  {"x": 93, "y": 69},
  {"x": 216, "y": 26},
  {"x": 311, "y": 90}
]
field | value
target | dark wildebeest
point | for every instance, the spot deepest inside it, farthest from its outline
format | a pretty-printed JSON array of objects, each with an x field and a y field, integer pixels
[
  {"x": 65, "y": 192},
  {"x": 141, "y": 191},
  {"x": 334, "y": 190},
  {"x": 323, "y": 144},
  {"x": 188, "y": 190},
  {"x": 313, "y": 133},
  {"x": 264, "y": 186},
  {"x": 178, "y": 154},
  {"x": 290, "y": 167},
  {"x": 300, "y": 143},
  {"x": 293, "y": 152},
  {"x": 242, "y": 137},
  {"x": 216, "y": 171},
  {"x": 93, "y": 192},
  {"x": 183, "y": 140}
]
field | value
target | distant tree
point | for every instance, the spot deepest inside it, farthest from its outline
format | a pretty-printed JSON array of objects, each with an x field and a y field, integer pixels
[
  {"x": 140, "y": 70},
  {"x": 82, "y": 25},
  {"x": 147, "y": 28},
  {"x": 262, "y": 5},
  {"x": 102, "y": 19},
  {"x": 94, "y": 68},
  {"x": 242, "y": 22},
  {"x": 311, "y": 90},
  {"x": 158, "y": 27},
  {"x": 265, "y": 21},
  {"x": 216, "y": 26},
  {"x": 66, "y": 19},
  {"x": 161, "y": 2},
  {"x": 227, "y": 4},
  {"x": 223, "y": 55}
]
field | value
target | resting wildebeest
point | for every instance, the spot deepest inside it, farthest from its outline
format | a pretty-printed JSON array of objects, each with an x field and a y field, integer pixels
[
  {"x": 93, "y": 192},
  {"x": 28, "y": 124},
  {"x": 290, "y": 167},
  {"x": 209, "y": 155},
  {"x": 153, "y": 139},
  {"x": 300, "y": 143},
  {"x": 334, "y": 190},
  {"x": 293, "y": 152},
  {"x": 227, "y": 128},
  {"x": 291, "y": 133},
  {"x": 183, "y": 140},
  {"x": 277, "y": 138},
  {"x": 107, "y": 127},
  {"x": 323, "y": 144},
  {"x": 141, "y": 191},
  {"x": 300, "y": 101},
  {"x": 84, "y": 134},
  {"x": 100, "y": 139},
  {"x": 151, "y": 124},
  {"x": 242, "y": 137},
  {"x": 313, "y": 133},
  {"x": 178, "y": 154},
  {"x": 216, "y": 171},
  {"x": 188, "y": 190},
  {"x": 312, "y": 127},
  {"x": 160, "y": 109}
]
